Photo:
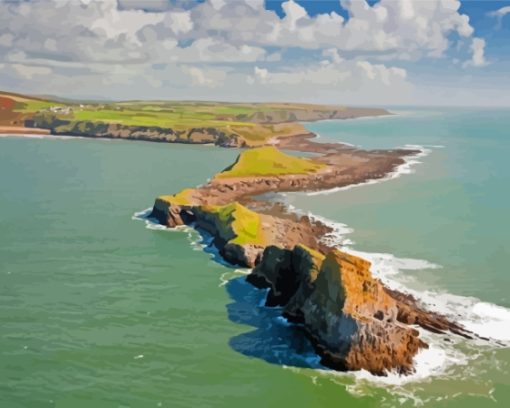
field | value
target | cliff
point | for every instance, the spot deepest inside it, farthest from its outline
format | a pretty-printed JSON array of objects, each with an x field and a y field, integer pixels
[
  {"x": 346, "y": 295},
  {"x": 237, "y": 231},
  {"x": 193, "y": 135},
  {"x": 348, "y": 315}
]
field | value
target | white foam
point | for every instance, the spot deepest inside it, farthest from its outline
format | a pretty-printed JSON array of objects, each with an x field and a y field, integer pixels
[
  {"x": 428, "y": 362},
  {"x": 153, "y": 224},
  {"x": 484, "y": 319},
  {"x": 338, "y": 230},
  {"x": 405, "y": 168},
  {"x": 488, "y": 321},
  {"x": 229, "y": 275},
  {"x": 493, "y": 321},
  {"x": 48, "y": 137}
]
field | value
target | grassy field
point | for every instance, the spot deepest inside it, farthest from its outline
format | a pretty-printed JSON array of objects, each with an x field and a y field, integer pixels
[
  {"x": 242, "y": 223},
  {"x": 268, "y": 161},
  {"x": 235, "y": 124}
]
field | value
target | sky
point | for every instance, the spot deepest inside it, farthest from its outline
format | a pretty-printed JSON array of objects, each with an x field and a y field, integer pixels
[{"x": 354, "y": 52}]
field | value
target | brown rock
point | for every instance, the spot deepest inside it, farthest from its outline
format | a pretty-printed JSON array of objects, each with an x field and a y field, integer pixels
[{"x": 351, "y": 320}]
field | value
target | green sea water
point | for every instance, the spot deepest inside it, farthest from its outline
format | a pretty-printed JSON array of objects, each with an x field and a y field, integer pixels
[{"x": 100, "y": 309}]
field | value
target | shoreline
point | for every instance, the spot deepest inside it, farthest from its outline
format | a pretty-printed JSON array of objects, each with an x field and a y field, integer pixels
[
  {"x": 224, "y": 135},
  {"x": 19, "y": 130}
]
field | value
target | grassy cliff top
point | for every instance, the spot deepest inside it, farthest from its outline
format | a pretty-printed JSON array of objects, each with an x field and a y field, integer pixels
[
  {"x": 182, "y": 198},
  {"x": 268, "y": 161},
  {"x": 235, "y": 220}
]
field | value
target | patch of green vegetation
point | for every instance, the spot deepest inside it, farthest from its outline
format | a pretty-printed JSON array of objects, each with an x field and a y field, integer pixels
[
  {"x": 154, "y": 116},
  {"x": 181, "y": 199},
  {"x": 32, "y": 105},
  {"x": 268, "y": 161},
  {"x": 243, "y": 223},
  {"x": 316, "y": 255}
]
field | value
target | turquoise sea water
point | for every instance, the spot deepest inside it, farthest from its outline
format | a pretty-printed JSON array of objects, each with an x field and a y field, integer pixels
[{"x": 98, "y": 310}]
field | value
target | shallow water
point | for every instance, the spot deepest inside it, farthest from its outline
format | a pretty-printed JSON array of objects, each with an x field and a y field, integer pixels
[{"x": 98, "y": 310}]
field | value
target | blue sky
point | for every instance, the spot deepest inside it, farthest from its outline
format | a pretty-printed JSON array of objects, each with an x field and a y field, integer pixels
[{"x": 379, "y": 52}]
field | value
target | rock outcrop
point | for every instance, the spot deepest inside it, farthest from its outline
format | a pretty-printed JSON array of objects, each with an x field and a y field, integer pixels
[
  {"x": 348, "y": 315},
  {"x": 289, "y": 274},
  {"x": 235, "y": 229},
  {"x": 352, "y": 320}
]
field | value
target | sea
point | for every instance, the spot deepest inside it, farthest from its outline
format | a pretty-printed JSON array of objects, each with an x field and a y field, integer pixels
[{"x": 100, "y": 307}]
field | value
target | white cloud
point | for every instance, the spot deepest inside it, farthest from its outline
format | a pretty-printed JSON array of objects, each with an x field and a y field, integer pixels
[
  {"x": 333, "y": 55},
  {"x": 478, "y": 51},
  {"x": 209, "y": 78},
  {"x": 261, "y": 74},
  {"x": 180, "y": 22},
  {"x": 29, "y": 71},
  {"x": 500, "y": 13},
  {"x": 6, "y": 39},
  {"x": 186, "y": 48},
  {"x": 337, "y": 82}
]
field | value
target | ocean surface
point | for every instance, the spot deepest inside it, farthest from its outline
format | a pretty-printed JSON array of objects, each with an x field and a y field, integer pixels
[{"x": 99, "y": 308}]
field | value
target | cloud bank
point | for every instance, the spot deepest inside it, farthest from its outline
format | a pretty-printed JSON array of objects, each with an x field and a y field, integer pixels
[{"x": 228, "y": 49}]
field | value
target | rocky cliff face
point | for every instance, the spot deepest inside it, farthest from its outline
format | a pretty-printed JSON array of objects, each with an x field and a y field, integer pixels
[
  {"x": 289, "y": 274},
  {"x": 199, "y": 135},
  {"x": 233, "y": 227},
  {"x": 353, "y": 321}
]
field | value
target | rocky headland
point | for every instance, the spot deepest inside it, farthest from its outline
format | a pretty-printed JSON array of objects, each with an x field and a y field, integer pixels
[{"x": 353, "y": 321}]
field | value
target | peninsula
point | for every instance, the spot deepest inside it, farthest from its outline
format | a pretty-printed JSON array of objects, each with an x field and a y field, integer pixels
[{"x": 351, "y": 318}]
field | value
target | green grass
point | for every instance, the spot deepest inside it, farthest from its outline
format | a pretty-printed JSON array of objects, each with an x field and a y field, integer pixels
[
  {"x": 267, "y": 161},
  {"x": 244, "y": 224},
  {"x": 32, "y": 105},
  {"x": 152, "y": 117},
  {"x": 182, "y": 198}
]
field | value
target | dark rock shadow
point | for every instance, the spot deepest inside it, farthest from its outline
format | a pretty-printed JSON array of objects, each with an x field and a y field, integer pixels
[
  {"x": 274, "y": 339},
  {"x": 207, "y": 242}
]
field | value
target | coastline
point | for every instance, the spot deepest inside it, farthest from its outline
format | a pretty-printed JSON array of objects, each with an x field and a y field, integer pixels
[
  {"x": 176, "y": 268},
  {"x": 304, "y": 142}
]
